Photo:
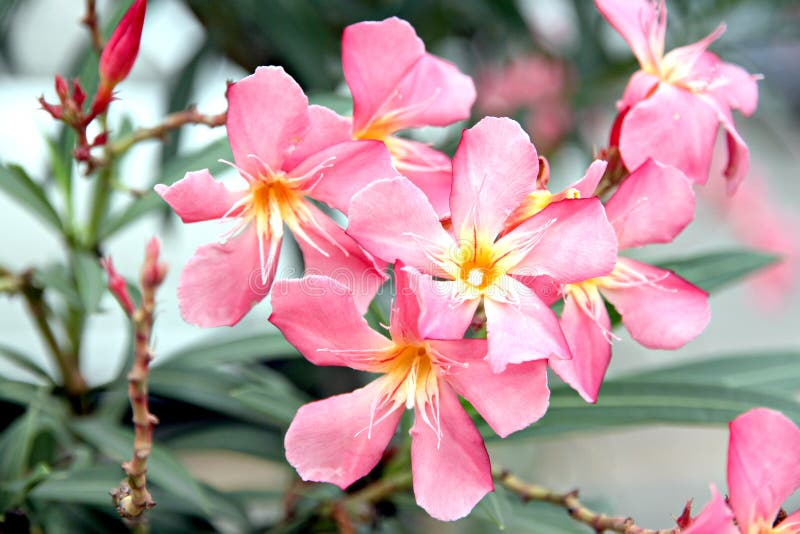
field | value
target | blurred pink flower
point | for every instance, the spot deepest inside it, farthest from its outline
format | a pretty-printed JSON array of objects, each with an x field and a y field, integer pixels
[
  {"x": 396, "y": 85},
  {"x": 494, "y": 170},
  {"x": 423, "y": 367},
  {"x": 672, "y": 107},
  {"x": 287, "y": 152},
  {"x": 534, "y": 84},
  {"x": 763, "y": 471}
]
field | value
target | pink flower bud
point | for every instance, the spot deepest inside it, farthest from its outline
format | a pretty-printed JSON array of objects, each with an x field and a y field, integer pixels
[
  {"x": 62, "y": 89},
  {"x": 118, "y": 286},
  {"x": 56, "y": 111},
  {"x": 122, "y": 48},
  {"x": 78, "y": 94},
  {"x": 153, "y": 273}
]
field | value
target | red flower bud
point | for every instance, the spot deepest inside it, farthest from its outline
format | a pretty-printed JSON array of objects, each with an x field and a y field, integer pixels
[
  {"x": 122, "y": 48},
  {"x": 118, "y": 286},
  {"x": 56, "y": 111},
  {"x": 78, "y": 94},
  {"x": 62, "y": 89}
]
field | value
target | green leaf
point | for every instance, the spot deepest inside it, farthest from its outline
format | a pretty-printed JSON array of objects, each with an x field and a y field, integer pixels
[
  {"x": 89, "y": 279},
  {"x": 221, "y": 350},
  {"x": 207, "y": 388},
  {"x": 204, "y": 158},
  {"x": 773, "y": 372},
  {"x": 247, "y": 439},
  {"x": 162, "y": 468},
  {"x": 718, "y": 269},
  {"x": 16, "y": 442},
  {"x": 17, "y": 392},
  {"x": 21, "y": 187},
  {"x": 507, "y": 512},
  {"x": 624, "y": 403},
  {"x": 13, "y": 492},
  {"x": 271, "y": 394},
  {"x": 25, "y": 362},
  {"x": 58, "y": 278}
]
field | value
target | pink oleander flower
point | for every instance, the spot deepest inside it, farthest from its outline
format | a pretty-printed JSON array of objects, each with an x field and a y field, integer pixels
[
  {"x": 287, "y": 153},
  {"x": 672, "y": 108},
  {"x": 424, "y": 366},
  {"x": 396, "y": 85},
  {"x": 532, "y": 83},
  {"x": 763, "y": 471},
  {"x": 494, "y": 170},
  {"x": 660, "y": 309},
  {"x": 119, "y": 54}
]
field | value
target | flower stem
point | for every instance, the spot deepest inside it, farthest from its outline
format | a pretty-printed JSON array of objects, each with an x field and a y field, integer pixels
[
  {"x": 90, "y": 21},
  {"x": 572, "y": 504}
]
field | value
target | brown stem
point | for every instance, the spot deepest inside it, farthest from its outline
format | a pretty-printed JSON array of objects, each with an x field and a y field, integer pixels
[
  {"x": 91, "y": 22},
  {"x": 171, "y": 122},
  {"x": 572, "y": 504},
  {"x": 615, "y": 171},
  {"x": 132, "y": 497}
]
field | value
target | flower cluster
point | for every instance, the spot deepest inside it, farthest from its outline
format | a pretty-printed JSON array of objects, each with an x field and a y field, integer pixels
[{"x": 477, "y": 236}]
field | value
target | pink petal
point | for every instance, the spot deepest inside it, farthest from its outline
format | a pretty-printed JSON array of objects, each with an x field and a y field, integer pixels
[
  {"x": 734, "y": 87},
  {"x": 506, "y": 320},
  {"x": 394, "y": 220},
  {"x": 427, "y": 168},
  {"x": 375, "y": 58},
  {"x": 442, "y": 313},
  {"x": 640, "y": 86},
  {"x": 451, "y": 471},
  {"x": 318, "y": 315},
  {"x": 433, "y": 93},
  {"x": 508, "y": 401},
  {"x": 590, "y": 346},
  {"x": 344, "y": 260},
  {"x": 494, "y": 169},
  {"x": 660, "y": 309},
  {"x": 716, "y": 517},
  {"x": 571, "y": 241},
  {"x": 267, "y": 117},
  {"x": 396, "y": 84},
  {"x": 640, "y": 24},
  {"x": 653, "y": 205},
  {"x": 738, "y": 153},
  {"x": 674, "y": 127},
  {"x": 588, "y": 183},
  {"x": 763, "y": 465},
  {"x": 220, "y": 283},
  {"x": 681, "y": 63},
  {"x": 198, "y": 197},
  {"x": 326, "y": 128},
  {"x": 348, "y": 168},
  {"x": 333, "y": 440}
]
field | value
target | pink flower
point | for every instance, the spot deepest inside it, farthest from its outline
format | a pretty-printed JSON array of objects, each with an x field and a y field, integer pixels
[
  {"x": 494, "y": 170},
  {"x": 659, "y": 309},
  {"x": 763, "y": 471},
  {"x": 673, "y": 106},
  {"x": 396, "y": 85},
  {"x": 287, "y": 152},
  {"x": 424, "y": 366},
  {"x": 119, "y": 54}
]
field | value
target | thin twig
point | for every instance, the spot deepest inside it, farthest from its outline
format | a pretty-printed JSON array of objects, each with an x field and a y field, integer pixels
[
  {"x": 171, "y": 122},
  {"x": 572, "y": 504},
  {"x": 92, "y": 24},
  {"x": 132, "y": 497}
]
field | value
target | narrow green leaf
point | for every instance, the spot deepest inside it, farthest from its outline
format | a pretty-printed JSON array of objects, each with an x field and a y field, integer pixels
[
  {"x": 13, "y": 492},
  {"x": 88, "y": 279},
  {"x": 207, "y": 388},
  {"x": 718, "y": 269},
  {"x": 220, "y": 350},
  {"x": 272, "y": 395},
  {"x": 18, "y": 185},
  {"x": 16, "y": 442},
  {"x": 247, "y": 439},
  {"x": 17, "y": 392},
  {"x": 58, "y": 278},
  {"x": 205, "y": 158},
  {"x": 525, "y": 517},
  {"x": 624, "y": 403},
  {"x": 773, "y": 372},
  {"x": 25, "y": 362},
  {"x": 162, "y": 468}
]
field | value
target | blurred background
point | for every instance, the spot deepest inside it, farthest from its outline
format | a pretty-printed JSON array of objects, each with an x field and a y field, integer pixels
[{"x": 554, "y": 65}]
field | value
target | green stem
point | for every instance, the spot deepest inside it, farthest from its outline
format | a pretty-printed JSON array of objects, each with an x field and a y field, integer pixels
[{"x": 102, "y": 192}]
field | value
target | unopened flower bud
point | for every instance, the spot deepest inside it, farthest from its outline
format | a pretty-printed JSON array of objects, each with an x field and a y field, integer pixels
[
  {"x": 153, "y": 272},
  {"x": 118, "y": 286},
  {"x": 122, "y": 48}
]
